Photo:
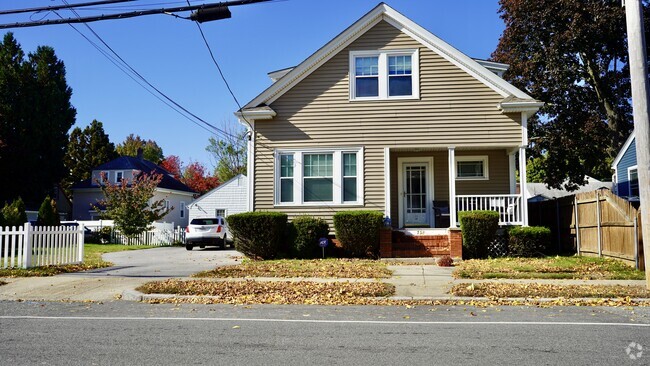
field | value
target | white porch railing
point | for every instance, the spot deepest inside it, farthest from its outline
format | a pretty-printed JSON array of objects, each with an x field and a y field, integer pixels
[
  {"x": 509, "y": 206},
  {"x": 28, "y": 246}
]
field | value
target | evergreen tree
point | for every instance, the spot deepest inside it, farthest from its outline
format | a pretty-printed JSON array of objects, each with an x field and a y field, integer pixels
[
  {"x": 48, "y": 215},
  {"x": 87, "y": 149},
  {"x": 35, "y": 116}
]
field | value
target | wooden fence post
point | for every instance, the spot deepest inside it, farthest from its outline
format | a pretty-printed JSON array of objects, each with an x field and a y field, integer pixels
[
  {"x": 27, "y": 240},
  {"x": 636, "y": 242},
  {"x": 577, "y": 226},
  {"x": 600, "y": 239}
]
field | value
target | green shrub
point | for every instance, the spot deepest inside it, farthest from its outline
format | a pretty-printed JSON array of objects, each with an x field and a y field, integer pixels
[
  {"x": 258, "y": 235},
  {"x": 358, "y": 232},
  {"x": 305, "y": 234},
  {"x": 47, "y": 213},
  {"x": 528, "y": 241},
  {"x": 14, "y": 213},
  {"x": 479, "y": 229}
]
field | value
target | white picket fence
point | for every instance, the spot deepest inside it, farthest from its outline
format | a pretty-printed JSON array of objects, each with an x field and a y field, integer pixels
[
  {"x": 29, "y": 246},
  {"x": 162, "y": 234}
]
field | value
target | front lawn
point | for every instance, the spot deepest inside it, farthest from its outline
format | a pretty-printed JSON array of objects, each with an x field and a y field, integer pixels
[
  {"x": 588, "y": 268},
  {"x": 275, "y": 292},
  {"x": 92, "y": 260},
  {"x": 506, "y": 290},
  {"x": 325, "y": 268}
]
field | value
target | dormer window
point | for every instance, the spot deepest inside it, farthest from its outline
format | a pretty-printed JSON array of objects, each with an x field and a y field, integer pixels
[{"x": 390, "y": 74}]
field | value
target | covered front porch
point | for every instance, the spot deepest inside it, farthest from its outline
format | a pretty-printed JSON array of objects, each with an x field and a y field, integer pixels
[{"x": 427, "y": 187}]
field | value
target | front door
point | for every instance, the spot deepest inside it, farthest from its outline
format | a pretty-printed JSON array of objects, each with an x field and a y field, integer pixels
[{"x": 416, "y": 194}]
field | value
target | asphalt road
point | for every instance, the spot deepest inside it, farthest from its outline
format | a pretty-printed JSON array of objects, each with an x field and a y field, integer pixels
[{"x": 123, "y": 333}]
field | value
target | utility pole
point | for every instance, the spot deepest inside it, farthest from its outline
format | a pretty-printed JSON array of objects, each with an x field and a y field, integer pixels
[{"x": 639, "y": 80}]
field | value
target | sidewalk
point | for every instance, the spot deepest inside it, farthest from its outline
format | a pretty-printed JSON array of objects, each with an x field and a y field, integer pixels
[{"x": 410, "y": 281}]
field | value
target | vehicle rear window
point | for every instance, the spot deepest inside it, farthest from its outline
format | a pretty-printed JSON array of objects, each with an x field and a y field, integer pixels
[{"x": 214, "y": 221}]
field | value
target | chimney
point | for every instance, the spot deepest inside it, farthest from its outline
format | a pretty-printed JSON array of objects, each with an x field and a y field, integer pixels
[{"x": 139, "y": 155}]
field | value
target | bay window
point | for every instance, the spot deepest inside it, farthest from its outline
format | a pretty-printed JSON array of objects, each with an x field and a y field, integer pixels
[{"x": 319, "y": 177}]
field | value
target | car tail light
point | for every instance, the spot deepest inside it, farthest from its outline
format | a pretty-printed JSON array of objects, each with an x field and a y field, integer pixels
[
  {"x": 187, "y": 229},
  {"x": 219, "y": 228}
]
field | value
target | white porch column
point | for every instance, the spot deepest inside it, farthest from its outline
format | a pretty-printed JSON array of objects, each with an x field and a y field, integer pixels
[
  {"x": 452, "y": 186},
  {"x": 250, "y": 162},
  {"x": 387, "y": 182},
  {"x": 522, "y": 184}
]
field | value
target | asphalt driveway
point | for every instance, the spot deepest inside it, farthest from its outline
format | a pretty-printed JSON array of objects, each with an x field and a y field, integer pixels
[{"x": 163, "y": 262}]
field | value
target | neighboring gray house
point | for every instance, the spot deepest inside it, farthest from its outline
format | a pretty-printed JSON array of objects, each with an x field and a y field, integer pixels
[
  {"x": 229, "y": 198},
  {"x": 536, "y": 192},
  {"x": 626, "y": 181},
  {"x": 87, "y": 192}
]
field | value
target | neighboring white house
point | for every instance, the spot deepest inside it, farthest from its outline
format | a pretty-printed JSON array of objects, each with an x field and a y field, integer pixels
[
  {"x": 87, "y": 193},
  {"x": 229, "y": 198},
  {"x": 536, "y": 192}
]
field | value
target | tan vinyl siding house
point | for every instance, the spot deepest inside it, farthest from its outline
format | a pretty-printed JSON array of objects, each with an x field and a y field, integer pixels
[{"x": 458, "y": 115}]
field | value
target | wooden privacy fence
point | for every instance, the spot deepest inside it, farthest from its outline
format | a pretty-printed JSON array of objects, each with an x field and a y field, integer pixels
[
  {"x": 593, "y": 223},
  {"x": 29, "y": 246}
]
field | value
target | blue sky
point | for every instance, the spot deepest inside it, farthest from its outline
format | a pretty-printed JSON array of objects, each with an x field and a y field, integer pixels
[{"x": 258, "y": 38}]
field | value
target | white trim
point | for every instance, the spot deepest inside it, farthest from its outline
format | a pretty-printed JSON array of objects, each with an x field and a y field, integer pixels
[
  {"x": 401, "y": 162},
  {"x": 451, "y": 162},
  {"x": 225, "y": 212},
  {"x": 387, "y": 182},
  {"x": 523, "y": 186},
  {"x": 385, "y": 12},
  {"x": 482, "y": 158},
  {"x": 629, "y": 181},
  {"x": 337, "y": 178},
  {"x": 119, "y": 172},
  {"x": 256, "y": 114},
  {"x": 530, "y": 106},
  {"x": 250, "y": 159},
  {"x": 383, "y": 76},
  {"x": 623, "y": 150}
]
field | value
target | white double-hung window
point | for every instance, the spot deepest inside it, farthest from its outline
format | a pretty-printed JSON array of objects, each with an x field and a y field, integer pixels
[
  {"x": 319, "y": 177},
  {"x": 387, "y": 74},
  {"x": 472, "y": 167}
]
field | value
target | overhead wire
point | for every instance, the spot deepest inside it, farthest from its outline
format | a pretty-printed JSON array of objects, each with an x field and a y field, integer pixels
[{"x": 165, "y": 96}]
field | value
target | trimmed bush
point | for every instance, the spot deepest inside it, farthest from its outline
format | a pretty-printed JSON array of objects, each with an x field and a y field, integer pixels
[
  {"x": 306, "y": 231},
  {"x": 358, "y": 232},
  {"x": 48, "y": 214},
  {"x": 479, "y": 229},
  {"x": 528, "y": 241},
  {"x": 258, "y": 235},
  {"x": 14, "y": 213}
]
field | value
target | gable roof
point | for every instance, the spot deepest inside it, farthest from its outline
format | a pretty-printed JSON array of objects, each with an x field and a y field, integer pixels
[
  {"x": 623, "y": 150},
  {"x": 361, "y": 26},
  {"x": 132, "y": 163},
  {"x": 224, "y": 184}
]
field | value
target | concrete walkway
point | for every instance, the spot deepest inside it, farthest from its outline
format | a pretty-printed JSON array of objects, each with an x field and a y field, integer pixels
[{"x": 133, "y": 268}]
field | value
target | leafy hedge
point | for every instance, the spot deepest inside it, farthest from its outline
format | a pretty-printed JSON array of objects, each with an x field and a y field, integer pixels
[
  {"x": 358, "y": 232},
  {"x": 479, "y": 229},
  {"x": 258, "y": 235},
  {"x": 305, "y": 232},
  {"x": 528, "y": 241}
]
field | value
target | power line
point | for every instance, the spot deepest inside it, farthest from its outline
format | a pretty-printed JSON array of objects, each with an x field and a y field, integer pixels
[
  {"x": 59, "y": 7},
  {"x": 88, "y": 19},
  {"x": 135, "y": 72}
]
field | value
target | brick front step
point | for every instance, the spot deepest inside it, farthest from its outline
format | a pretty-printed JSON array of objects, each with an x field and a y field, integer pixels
[
  {"x": 419, "y": 253},
  {"x": 407, "y": 246}
]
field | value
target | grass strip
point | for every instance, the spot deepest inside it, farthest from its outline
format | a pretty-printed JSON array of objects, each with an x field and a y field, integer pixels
[
  {"x": 275, "y": 292},
  {"x": 323, "y": 268},
  {"x": 560, "y": 267},
  {"x": 536, "y": 290}
]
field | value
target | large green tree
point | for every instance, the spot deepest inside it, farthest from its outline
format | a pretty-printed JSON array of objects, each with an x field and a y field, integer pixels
[
  {"x": 87, "y": 149},
  {"x": 35, "y": 116},
  {"x": 150, "y": 149},
  {"x": 230, "y": 155},
  {"x": 572, "y": 55}
]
